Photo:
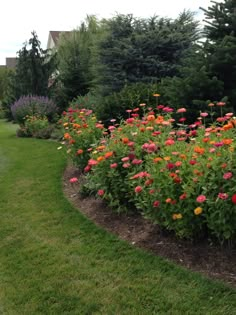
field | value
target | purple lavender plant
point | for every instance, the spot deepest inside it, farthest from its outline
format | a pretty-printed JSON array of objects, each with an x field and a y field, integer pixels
[{"x": 33, "y": 105}]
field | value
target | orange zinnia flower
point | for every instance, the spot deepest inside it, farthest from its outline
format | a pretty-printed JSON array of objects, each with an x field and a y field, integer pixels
[
  {"x": 108, "y": 154},
  {"x": 227, "y": 141},
  {"x": 183, "y": 156},
  {"x": 150, "y": 117},
  {"x": 157, "y": 159},
  {"x": 80, "y": 151},
  {"x": 199, "y": 150},
  {"x": 228, "y": 126},
  {"x": 125, "y": 140},
  {"x": 101, "y": 147},
  {"x": 159, "y": 119},
  {"x": 67, "y": 136},
  {"x": 100, "y": 158},
  {"x": 76, "y": 126}
]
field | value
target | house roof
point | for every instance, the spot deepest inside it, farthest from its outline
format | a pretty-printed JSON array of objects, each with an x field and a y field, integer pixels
[{"x": 56, "y": 34}]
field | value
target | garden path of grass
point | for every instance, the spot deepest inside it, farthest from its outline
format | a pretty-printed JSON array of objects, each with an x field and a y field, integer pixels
[{"x": 55, "y": 261}]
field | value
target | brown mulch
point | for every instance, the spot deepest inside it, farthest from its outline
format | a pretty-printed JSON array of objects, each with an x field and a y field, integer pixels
[{"x": 211, "y": 260}]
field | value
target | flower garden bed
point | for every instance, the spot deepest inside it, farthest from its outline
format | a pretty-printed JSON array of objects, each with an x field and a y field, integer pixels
[{"x": 180, "y": 177}]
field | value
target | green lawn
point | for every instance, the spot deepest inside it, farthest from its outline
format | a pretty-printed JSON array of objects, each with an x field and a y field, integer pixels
[{"x": 55, "y": 261}]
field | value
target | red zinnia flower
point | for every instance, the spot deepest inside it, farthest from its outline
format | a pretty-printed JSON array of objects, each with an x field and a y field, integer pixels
[
  {"x": 156, "y": 204},
  {"x": 101, "y": 192},
  {"x": 234, "y": 199}
]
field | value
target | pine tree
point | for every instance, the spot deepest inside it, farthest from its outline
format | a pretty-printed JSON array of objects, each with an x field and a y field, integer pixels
[
  {"x": 74, "y": 62},
  {"x": 143, "y": 50},
  {"x": 220, "y": 47},
  {"x": 33, "y": 69}
]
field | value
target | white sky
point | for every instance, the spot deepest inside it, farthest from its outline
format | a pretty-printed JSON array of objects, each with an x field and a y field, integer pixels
[{"x": 20, "y": 17}]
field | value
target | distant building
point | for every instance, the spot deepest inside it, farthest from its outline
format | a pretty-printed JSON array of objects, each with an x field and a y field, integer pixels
[
  {"x": 53, "y": 38},
  {"x": 11, "y": 62}
]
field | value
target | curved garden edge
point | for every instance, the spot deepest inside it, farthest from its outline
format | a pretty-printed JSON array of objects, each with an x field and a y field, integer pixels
[{"x": 212, "y": 261}]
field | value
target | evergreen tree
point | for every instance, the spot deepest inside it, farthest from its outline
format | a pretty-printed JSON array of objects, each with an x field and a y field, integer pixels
[
  {"x": 220, "y": 47},
  {"x": 33, "y": 69},
  {"x": 143, "y": 50},
  {"x": 74, "y": 62}
]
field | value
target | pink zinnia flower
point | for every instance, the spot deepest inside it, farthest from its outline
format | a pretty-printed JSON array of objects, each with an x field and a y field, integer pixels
[
  {"x": 130, "y": 120},
  {"x": 73, "y": 180},
  {"x": 137, "y": 162},
  {"x": 201, "y": 198},
  {"x": 111, "y": 128},
  {"x": 223, "y": 196},
  {"x": 125, "y": 159},
  {"x": 87, "y": 168},
  {"x": 126, "y": 165},
  {"x": 181, "y": 110},
  {"x": 138, "y": 189},
  {"x": 169, "y": 142},
  {"x": 204, "y": 114},
  {"x": 212, "y": 150},
  {"x": 167, "y": 109},
  {"x": 227, "y": 175},
  {"x": 220, "y": 104},
  {"x": 178, "y": 163},
  {"x": 114, "y": 165},
  {"x": 219, "y": 144},
  {"x": 92, "y": 162}
]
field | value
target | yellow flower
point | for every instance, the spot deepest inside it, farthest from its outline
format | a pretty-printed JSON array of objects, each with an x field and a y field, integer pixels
[
  {"x": 198, "y": 211},
  {"x": 166, "y": 158},
  {"x": 156, "y": 95},
  {"x": 177, "y": 216}
]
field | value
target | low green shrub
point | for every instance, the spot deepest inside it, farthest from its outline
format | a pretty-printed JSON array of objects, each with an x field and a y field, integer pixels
[
  {"x": 37, "y": 127},
  {"x": 115, "y": 105},
  {"x": 88, "y": 101}
]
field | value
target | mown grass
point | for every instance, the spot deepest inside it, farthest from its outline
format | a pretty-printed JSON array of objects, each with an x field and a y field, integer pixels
[{"x": 55, "y": 261}]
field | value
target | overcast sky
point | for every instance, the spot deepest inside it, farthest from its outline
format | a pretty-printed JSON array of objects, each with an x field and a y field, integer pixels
[{"x": 20, "y": 17}]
